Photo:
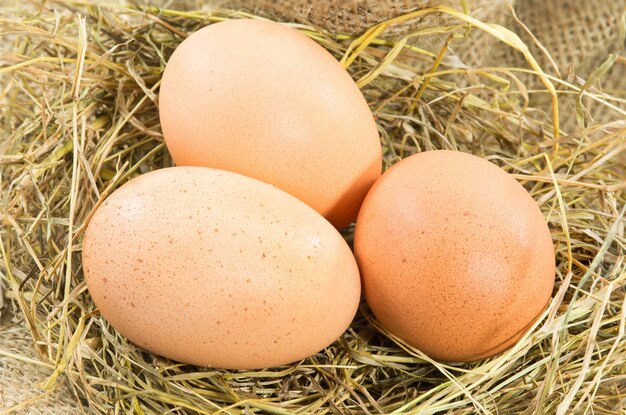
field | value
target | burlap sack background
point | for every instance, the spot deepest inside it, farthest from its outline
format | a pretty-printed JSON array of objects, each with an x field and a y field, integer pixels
[
  {"x": 578, "y": 34},
  {"x": 355, "y": 16},
  {"x": 20, "y": 380}
]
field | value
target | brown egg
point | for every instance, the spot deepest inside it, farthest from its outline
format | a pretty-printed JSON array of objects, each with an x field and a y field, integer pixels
[
  {"x": 217, "y": 269},
  {"x": 455, "y": 255},
  {"x": 261, "y": 99}
]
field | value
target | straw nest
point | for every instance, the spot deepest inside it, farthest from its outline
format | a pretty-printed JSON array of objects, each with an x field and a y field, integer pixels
[{"x": 80, "y": 117}]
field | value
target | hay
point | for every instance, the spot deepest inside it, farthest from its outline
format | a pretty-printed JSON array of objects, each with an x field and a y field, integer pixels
[{"x": 79, "y": 118}]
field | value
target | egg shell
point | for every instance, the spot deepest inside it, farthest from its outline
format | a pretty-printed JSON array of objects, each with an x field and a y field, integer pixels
[
  {"x": 455, "y": 255},
  {"x": 217, "y": 269},
  {"x": 263, "y": 100}
]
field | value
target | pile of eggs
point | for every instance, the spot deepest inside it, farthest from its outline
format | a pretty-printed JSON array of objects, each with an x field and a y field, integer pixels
[{"x": 233, "y": 258}]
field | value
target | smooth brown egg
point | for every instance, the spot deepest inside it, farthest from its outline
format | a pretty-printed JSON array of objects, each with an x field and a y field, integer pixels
[
  {"x": 455, "y": 255},
  {"x": 263, "y": 100},
  {"x": 217, "y": 269}
]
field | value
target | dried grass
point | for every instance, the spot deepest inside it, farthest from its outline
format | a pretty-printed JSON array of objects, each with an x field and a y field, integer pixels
[{"x": 79, "y": 117}]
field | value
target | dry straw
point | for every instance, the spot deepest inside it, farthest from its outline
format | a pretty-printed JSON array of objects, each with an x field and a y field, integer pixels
[{"x": 79, "y": 117}]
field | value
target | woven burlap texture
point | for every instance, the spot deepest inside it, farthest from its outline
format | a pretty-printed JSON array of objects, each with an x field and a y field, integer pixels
[
  {"x": 354, "y": 16},
  {"x": 579, "y": 35},
  {"x": 20, "y": 379}
]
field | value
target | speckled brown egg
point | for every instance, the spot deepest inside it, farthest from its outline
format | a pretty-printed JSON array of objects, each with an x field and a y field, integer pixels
[
  {"x": 217, "y": 269},
  {"x": 455, "y": 255},
  {"x": 261, "y": 99}
]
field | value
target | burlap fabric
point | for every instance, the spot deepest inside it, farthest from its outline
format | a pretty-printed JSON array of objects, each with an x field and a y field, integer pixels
[
  {"x": 578, "y": 34},
  {"x": 354, "y": 16},
  {"x": 20, "y": 379}
]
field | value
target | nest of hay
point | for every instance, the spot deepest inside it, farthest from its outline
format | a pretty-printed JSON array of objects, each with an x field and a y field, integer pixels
[{"x": 79, "y": 117}]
